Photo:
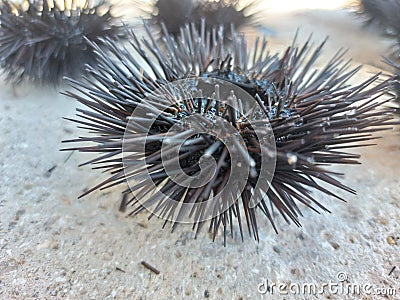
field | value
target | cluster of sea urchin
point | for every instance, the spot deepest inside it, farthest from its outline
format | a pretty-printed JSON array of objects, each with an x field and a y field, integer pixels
[
  {"x": 44, "y": 40},
  {"x": 174, "y": 14},
  {"x": 314, "y": 116}
]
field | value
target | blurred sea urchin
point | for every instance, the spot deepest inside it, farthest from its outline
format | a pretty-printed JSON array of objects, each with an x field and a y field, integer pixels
[
  {"x": 315, "y": 115},
  {"x": 174, "y": 14},
  {"x": 384, "y": 13},
  {"x": 44, "y": 40}
]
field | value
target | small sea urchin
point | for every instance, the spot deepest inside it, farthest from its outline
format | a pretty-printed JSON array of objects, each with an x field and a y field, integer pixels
[
  {"x": 44, "y": 40},
  {"x": 174, "y": 14},
  {"x": 133, "y": 107}
]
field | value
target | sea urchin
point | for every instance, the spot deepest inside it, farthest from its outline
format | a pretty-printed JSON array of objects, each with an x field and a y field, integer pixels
[
  {"x": 142, "y": 124},
  {"x": 384, "y": 13},
  {"x": 174, "y": 14},
  {"x": 44, "y": 40}
]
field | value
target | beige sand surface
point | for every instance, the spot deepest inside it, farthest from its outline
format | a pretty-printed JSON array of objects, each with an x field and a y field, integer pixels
[{"x": 53, "y": 246}]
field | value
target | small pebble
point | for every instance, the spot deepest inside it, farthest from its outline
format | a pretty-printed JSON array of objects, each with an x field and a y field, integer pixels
[
  {"x": 188, "y": 291},
  {"x": 383, "y": 221},
  {"x": 178, "y": 254},
  {"x": 143, "y": 224},
  {"x": 335, "y": 245},
  {"x": 352, "y": 239},
  {"x": 391, "y": 240},
  {"x": 277, "y": 249}
]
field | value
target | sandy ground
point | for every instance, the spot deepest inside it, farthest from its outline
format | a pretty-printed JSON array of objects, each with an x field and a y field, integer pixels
[{"x": 53, "y": 246}]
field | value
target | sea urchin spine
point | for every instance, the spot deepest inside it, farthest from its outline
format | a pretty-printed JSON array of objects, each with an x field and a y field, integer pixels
[{"x": 314, "y": 115}]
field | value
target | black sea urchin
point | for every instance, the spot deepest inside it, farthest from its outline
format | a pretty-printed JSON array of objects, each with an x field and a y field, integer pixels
[
  {"x": 43, "y": 41},
  {"x": 224, "y": 12},
  {"x": 174, "y": 14},
  {"x": 314, "y": 116},
  {"x": 384, "y": 13}
]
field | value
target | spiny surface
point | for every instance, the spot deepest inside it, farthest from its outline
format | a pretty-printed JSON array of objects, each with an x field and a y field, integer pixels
[
  {"x": 42, "y": 41},
  {"x": 314, "y": 114},
  {"x": 396, "y": 84},
  {"x": 383, "y": 13}
]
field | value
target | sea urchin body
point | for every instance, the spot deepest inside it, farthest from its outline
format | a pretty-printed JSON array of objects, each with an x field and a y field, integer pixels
[
  {"x": 44, "y": 40},
  {"x": 312, "y": 115}
]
